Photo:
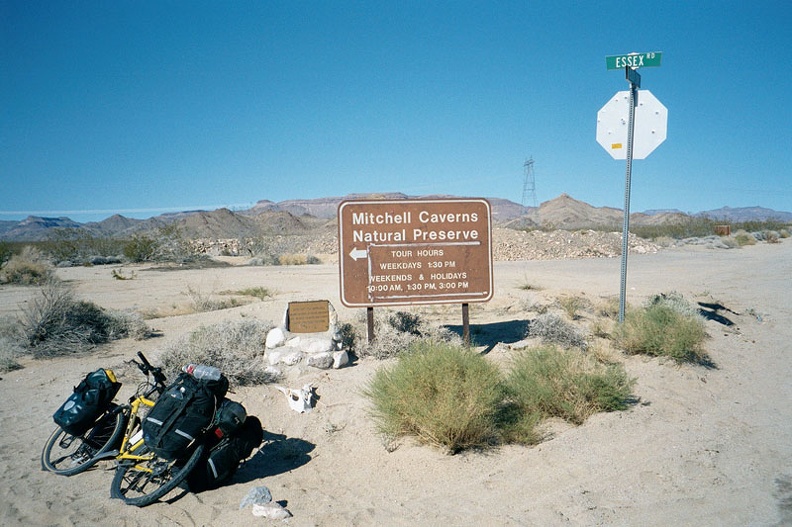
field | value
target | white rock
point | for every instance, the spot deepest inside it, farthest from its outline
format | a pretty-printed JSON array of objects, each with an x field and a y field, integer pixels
[
  {"x": 272, "y": 510},
  {"x": 317, "y": 345},
  {"x": 340, "y": 359},
  {"x": 274, "y": 357},
  {"x": 323, "y": 361},
  {"x": 275, "y": 338},
  {"x": 290, "y": 359}
]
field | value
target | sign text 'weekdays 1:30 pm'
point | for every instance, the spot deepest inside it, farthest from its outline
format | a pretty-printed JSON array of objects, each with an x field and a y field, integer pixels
[{"x": 415, "y": 251}]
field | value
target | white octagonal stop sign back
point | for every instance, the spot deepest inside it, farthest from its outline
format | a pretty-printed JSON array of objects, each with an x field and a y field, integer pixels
[{"x": 651, "y": 122}]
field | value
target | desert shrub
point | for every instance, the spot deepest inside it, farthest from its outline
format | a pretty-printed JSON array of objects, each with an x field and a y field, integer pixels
[
  {"x": 609, "y": 307},
  {"x": 256, "y": 292},
  {"x": 551, "y": 382},
  {"x": 237, "y": 348},
  {"x": 78, "y": 247},
  {"x": 443, "y": 394},
  {"x": 56, "y": 323},
  {"x": 172, "y": 246},
  {"x": 572, "y": 304},
  {"x": 6, "y": 252},
  {"x": 202, "y": 302},
  {"x": 29, "y": 267},
  {"x": 675, "y": 301},
  {"x": 395, "y": 332},
  {"x": 743, "y": 238},
  {"x": 551, "y": 328},
  {"x": 10, "y": 351},
  {"x": 297, "y": 259},
  {"x": 10, "y": 344},
  {"x": 127, "y": 324},
  {"x": 140, "y": 248},
  {"x": 664, "y": 328},
  {"x": 783, "y": 233}
]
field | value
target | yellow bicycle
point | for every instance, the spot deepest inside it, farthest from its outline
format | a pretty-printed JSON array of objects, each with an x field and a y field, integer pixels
[
  {"x": 141, "y": 477},
  {"x": 67, "y": 454}
]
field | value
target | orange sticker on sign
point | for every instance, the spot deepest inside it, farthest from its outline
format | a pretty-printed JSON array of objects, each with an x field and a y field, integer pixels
[{"x": 616, "y": 146}]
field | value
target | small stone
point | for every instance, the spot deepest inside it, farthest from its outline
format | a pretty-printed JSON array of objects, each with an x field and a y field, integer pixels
[
  {"x": 272, "y": 510},
  {"x": 275, "y": 338},
  {"x": 323, "y": 361},
  {"x": 340, "y": 359}
]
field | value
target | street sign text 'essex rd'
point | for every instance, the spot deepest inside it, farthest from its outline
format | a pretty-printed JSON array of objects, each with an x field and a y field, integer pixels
[{"x": 402, "y": 252}]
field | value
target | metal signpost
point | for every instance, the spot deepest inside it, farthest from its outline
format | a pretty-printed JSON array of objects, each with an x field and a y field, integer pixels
[
  {"x": 641, "y": 137},
  {"x": 405, "y": 252}
]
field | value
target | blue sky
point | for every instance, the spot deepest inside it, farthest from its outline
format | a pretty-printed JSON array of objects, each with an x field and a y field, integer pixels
[{"x": 143, "y": 107}]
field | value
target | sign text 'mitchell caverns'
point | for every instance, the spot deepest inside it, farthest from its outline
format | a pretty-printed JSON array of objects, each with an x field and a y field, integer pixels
[{"x": 403, "y": 252}]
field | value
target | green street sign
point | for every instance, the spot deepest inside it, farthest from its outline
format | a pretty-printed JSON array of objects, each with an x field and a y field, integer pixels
[{"x": 633, "y": 60}]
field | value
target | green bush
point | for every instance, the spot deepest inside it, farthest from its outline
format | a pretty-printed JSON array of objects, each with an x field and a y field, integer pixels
[
  {"x": 237, "y": 348},
  {"x": 662, "y": 328},
  {"x": 140, "y": 248},
  {"x": 445, "y": 395},
  {"x": 449, "y": 396},
  {"x": 550, "y": 382}
]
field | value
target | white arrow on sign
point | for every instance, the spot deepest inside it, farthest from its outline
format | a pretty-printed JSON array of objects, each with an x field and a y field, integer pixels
[
  {"x": 358, "y": 253},
  {"x": 651, "y": 123}
]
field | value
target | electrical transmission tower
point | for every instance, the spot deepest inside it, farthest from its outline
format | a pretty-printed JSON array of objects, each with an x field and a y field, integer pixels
[{"x": 529, "y": 184}]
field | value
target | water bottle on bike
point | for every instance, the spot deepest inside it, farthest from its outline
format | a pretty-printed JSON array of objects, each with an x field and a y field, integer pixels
[{"x": 202, "y": 371}]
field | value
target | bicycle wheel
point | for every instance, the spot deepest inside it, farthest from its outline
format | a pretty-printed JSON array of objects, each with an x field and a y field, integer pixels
[
  {"x": 144, "y": 482},
  {"x": 66, "y": 454}
]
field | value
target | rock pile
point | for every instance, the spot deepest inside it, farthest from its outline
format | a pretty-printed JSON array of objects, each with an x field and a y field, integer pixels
[{"x": 510, "y": 244}]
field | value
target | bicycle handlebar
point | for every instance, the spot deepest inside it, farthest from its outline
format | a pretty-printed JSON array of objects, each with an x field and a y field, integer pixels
[{"x": 146, "y": 367}]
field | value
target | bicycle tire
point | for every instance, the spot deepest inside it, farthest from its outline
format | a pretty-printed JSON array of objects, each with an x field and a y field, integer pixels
[
  {"x": 131, "y": 484},
  {"x": 66, "y": 454}
]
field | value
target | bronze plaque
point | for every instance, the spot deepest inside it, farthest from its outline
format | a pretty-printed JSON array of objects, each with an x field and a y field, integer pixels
[
  {"x": 309, "y": 317},
  {"x": 403, "y": 252}
]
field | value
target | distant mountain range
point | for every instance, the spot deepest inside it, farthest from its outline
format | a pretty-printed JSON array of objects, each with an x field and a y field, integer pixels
[{"x": 297, "y": 216}]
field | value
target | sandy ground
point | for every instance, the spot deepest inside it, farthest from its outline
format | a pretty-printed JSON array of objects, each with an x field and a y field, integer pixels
[{"x": 702, "y": 447}]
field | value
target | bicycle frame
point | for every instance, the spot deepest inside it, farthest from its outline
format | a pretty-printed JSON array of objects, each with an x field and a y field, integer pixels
[{"x": 128, "y": 449}]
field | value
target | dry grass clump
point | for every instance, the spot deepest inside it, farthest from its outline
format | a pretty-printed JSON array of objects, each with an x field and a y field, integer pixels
[
  {"x": 449, "y": 396},
  {"x": 56, "y": 323},
  {"x": 667, "y": 326},
  {"x": 29, "y": 267},
  {"x": 553, "y": 329},
  {"x": 202, "y": 302},
  {"x": 256, "y": 292},
  {"x": 743, "y": 238},
  {"x": 397, "y": 331},
  {"x": 444, "y": 395},
  {"x": 551, "y": 382},
  {"x": 573, "y": 304},
  {"x": 235, "y": 347}
]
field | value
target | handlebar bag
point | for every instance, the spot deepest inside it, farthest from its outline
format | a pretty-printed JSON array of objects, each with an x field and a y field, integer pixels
[{"x": 90, "y": 399}]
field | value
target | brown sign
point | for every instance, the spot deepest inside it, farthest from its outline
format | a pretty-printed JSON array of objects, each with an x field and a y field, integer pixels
[
  {"x": 404, "y": 252},
  {"x": 309, "y": 317}
]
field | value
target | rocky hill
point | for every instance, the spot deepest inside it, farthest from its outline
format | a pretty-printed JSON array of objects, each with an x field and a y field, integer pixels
[{"x": 302, "y": 216}]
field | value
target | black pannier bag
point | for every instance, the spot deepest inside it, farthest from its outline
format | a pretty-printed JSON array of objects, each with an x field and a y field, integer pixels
[
  {"x": 223, "y": 455},
  {"x": 90, "y": 399},
  {"x": 229, "y": 418},
  {"x": 182, "y": 415}
]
